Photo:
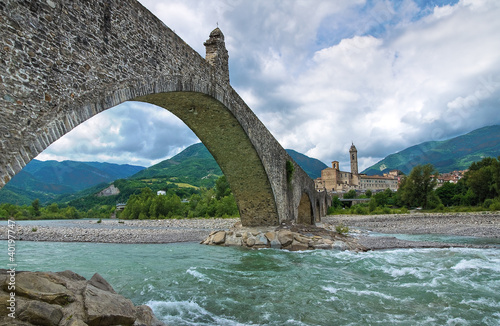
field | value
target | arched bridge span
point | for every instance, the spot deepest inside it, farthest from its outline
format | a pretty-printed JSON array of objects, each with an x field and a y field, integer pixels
[{"x": 63, "y": 61}]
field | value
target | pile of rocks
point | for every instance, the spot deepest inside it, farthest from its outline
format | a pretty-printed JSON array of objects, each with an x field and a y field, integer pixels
[
  {"x": 290, "y": 237},
  {"x": 67, "y": 299}
]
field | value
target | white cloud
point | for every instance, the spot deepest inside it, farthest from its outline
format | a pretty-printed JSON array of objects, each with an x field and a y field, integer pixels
[{"x": 130, "y": 133}]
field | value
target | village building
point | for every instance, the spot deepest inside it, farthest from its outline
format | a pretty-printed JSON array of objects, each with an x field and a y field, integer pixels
[
  {"x": 333, "y": 180},
  {"x": 451, "y": 177}
]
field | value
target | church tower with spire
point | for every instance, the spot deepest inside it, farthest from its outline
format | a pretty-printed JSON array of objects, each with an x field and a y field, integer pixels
[{"x": 353, "y": 153}]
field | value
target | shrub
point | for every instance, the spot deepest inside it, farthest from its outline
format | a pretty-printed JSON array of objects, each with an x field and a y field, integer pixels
[
  {"x": 495, "y": 206},
  {"x": 342, "y": 229},
  {"x": 439, "y": 208},
  {"x": 488, "y": 202},
  {"x": 360, "y": 210},
  {"x": 372, "y": 205},
  {"x": 34, "y": 229}
]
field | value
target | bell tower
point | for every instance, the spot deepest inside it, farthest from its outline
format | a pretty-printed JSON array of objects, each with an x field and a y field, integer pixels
[{"x": 353, "y": 153}]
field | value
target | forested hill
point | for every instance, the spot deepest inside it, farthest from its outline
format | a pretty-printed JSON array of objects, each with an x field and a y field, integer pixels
[
  {"x": 310, "y": 165},
  {"x": 46, "y": 179},
  {"x": 195, "y": 164},
  {"x": 448, "y": 155}
]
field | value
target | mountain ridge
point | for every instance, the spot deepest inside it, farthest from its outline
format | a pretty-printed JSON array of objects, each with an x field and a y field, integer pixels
[
  {"x": 448, "y": 155},
  {"x": 46, "y": 180}
]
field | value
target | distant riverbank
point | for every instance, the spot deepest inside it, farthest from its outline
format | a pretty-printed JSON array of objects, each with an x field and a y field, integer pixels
[
  {"x": 486, "y": 225},
  {"x": 482, "y": 224}
]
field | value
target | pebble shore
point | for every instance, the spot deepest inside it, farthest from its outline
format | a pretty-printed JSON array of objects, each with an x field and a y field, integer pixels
[
  {"x": 127, "y": 231},
  {"x": 483, "y": 224}
]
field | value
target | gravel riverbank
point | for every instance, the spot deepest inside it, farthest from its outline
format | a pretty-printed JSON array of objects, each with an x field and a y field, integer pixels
[
  {"x": 485, "y": 225},
  {"x": 116, "y": 231}
]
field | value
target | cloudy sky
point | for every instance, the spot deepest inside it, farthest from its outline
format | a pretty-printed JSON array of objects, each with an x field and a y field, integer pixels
[{"x": 383, "y": 74}]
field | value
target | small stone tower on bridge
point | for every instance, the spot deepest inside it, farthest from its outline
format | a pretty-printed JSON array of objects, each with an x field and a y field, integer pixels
[{"x": 216, "y": 53}]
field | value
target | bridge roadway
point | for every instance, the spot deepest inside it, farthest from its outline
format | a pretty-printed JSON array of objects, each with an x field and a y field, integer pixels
[{"x": 64, "y": 61}]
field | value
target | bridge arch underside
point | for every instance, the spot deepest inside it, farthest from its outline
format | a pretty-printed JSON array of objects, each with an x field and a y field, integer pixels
[
  {"x": 305, "y": 210},
  {"x": 231, "y": 147}
]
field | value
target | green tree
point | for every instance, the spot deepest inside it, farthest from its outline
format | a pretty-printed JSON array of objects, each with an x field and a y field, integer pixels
[
  {"x": 418, "y": 186},
  {"x": 446, "y": 193},
  {"x": 368, "y": 193},
  {"x": 351, "y": 194},
  {"x": 53, "y": 208},
  {"x": 336, "y": 203},
  {"x": 36, "y": 207},
  {"x": 372, "y": 205},
  {"x": 482, "y": 179},
  {"x": 222, "y": 188},
  {"x": 71, "y": 212}
]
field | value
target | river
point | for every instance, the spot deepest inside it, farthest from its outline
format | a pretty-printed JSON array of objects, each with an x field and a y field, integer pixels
[{"x": 191, "y": 284}]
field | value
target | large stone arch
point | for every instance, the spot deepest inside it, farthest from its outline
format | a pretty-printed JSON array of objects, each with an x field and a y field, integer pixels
[
  {"x": 64, "y": 61},
  {"x": 224, "y": 137}
]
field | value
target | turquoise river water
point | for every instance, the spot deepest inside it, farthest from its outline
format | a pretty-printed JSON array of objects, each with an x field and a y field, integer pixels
[{"x": 192, "y": 284}]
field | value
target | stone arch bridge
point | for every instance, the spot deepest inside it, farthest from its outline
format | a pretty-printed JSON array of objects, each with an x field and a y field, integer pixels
[{"x": 64, "y": 61}]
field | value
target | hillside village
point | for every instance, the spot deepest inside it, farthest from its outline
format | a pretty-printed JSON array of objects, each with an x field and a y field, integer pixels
[{"x": 335, "y": 181}]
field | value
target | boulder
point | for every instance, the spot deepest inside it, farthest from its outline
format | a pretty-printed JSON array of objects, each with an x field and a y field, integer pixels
[
  {"x": 273, "y": 240},
  {"x": 145, "y": 317},
  {"x": 285, "y": 237},
  {"x": 99, "y": 282},
  {"x": 250, "y": 242},
  {"x": 298, "y": 246},
  {"x": 68, "y": 299},
  {"x": 39, "y": 286},
  {"x": 77, "y": 322},
  {"x": 233, "y": 240},
  {"x": 300, "y": 238},
  {"x": 260, "y": 240},
  {"x": 41, "y": 313},
  {"x": 105, "y": 308},
  {"x": 219, "y": 237}
]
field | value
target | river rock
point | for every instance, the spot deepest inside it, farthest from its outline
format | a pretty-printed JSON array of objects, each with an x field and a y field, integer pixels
[
  {"x": 261, "y": 240},
  {"x": 68, "y": 299},
  {"x": 298, "y": 246},
  {"x": 219, "y": 237},
  {"x": 106, "y": 308},
  {"x": 99, "y": 282},
  {"x": 233, "y": 239},
  {"x": 41, "y": 313},
  {"x": 290, "y": 237},
  {"x": 40, "y": 286},
  {"x": 285, "y": 237},
  {"x": 250, "y": 242}
]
